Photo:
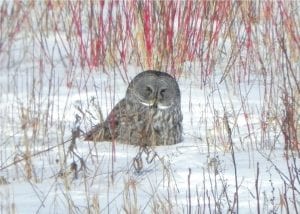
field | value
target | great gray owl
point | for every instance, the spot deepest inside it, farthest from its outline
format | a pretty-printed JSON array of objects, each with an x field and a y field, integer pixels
[{"x": 150, "y": 114}]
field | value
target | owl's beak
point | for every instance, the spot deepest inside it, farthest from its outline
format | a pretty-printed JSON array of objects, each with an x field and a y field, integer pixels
[{"x": 154, "y": 104}]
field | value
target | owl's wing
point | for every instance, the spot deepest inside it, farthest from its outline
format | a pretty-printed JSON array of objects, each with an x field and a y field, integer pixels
[
  {"x": 107, "y": 130},
  {"x": 99, "y": 132}
]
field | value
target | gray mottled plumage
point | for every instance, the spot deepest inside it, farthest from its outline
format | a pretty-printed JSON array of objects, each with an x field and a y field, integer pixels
[{"x": 150, "y": 114}]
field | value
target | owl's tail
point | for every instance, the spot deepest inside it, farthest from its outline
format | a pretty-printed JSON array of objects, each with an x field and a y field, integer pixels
[{"x": 100, "y": 132}]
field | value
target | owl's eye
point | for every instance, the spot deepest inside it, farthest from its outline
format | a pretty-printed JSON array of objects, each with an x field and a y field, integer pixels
[
  {"x": 162, "y": 92},
  {"x": 148, "y": 90}
]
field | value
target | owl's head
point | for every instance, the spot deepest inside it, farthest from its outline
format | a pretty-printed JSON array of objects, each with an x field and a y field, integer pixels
[{"x": 154, "y": 89}]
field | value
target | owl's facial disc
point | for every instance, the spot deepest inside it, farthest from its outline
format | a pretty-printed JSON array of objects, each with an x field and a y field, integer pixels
[
  {"x": 154, "y": 90},
  {"x": 155, "y": 95}
]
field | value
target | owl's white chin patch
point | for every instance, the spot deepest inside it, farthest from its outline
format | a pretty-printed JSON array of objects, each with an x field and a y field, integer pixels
[
  {"x": 163, "y": 107},
  {"x": 146, "y": 104}
]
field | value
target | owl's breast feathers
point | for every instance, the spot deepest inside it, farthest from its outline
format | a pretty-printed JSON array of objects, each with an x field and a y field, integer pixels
[{"x": 138, "y": 125}]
